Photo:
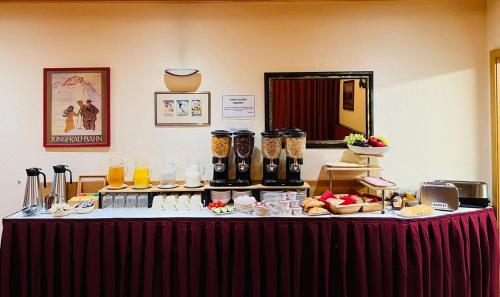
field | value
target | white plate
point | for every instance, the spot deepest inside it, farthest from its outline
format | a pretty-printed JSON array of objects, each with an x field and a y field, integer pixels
[
  {"x": 197, "y": 186},
  {"x": 167, "y": 186},
  {"x": 83, "y": 210},
  {"x": 116, "y": 188},
  {"x": 141, "y": 188},
  {"x": 316, "y": 214},
  {"x": 370, "y": 150}
]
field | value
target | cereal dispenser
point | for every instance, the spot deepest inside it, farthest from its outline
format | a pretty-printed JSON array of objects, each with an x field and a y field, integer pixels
[
  {"x": 271, "y": 150},
  {"x": 295, "y": 145},
  {"x": 221, "y": 146},
  {"x": 243, "y": 148}
]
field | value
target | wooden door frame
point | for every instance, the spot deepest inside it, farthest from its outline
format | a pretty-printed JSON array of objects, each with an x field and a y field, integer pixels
[{"x": 495, "y": 131}]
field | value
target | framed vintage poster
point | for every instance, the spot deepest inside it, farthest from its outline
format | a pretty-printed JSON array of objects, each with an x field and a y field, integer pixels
[
  {"x": 348, "y": 95},
  {"x": 76, "y": 107},
  {"x": 182, "y": 109}
]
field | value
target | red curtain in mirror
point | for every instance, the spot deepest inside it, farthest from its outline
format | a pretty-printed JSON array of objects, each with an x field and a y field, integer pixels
[{"x": 308, "y": 104}]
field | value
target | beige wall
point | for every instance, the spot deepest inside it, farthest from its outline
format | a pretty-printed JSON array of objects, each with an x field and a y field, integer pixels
[
  {"x": 428, "y": 58},
  {"x": 353, "y": 119},
  {"x": 493, "y": 24}
]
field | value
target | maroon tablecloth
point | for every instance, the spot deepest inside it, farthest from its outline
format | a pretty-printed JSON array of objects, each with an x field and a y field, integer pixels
[{"x": 453, "y": 256}]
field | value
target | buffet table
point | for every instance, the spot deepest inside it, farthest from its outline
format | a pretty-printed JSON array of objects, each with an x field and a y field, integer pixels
[{"x": 140, "y": 252}]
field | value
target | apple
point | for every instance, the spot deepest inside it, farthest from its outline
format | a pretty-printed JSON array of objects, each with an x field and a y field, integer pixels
[{"x": 380, "y": 144}]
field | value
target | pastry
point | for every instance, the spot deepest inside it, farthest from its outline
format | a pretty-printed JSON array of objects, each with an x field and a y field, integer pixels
[
  {"x": 303, "y": 203},
  {"x": 317, "y": 210},
  {"x": 313, "y": 203},
  {"x": 417, "y": 210}
]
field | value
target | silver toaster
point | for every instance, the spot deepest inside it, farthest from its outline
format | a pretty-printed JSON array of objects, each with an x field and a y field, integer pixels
[
  {"x": 439, "y": 195},
  {"x": 471, "y": 193}
]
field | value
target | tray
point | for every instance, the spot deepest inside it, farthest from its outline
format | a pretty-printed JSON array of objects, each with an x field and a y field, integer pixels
[{"x": 220, "y": 214}]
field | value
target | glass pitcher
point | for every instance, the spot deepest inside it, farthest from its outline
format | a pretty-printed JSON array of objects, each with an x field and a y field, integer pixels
[
  {"x": 194, "y": 172},
  {"x": 141, "y": 174},
  {"x": 167, "y": 173},
  {"x": 116, "y": 172}
]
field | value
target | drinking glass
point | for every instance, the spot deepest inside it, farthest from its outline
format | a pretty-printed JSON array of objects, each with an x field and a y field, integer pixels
[
  {"x": 131, "y": 201},
  {"x": 141, "y": 174},
  {"x": 116, "y": 172},
  {"x": 142, "y": 201},
  {"x": 107, "y": 201},
  {"x": 119, "y": 201}
]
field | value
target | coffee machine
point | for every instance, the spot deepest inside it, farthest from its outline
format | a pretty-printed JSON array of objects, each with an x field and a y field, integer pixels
[
  {"x": 295, "y": 145},
  {"x": 33, "y": 193},
  {"x": 271, "y": 150},
  {"x": 243, "y": 148},
  {"x": 221, "y": 146},
  {"x": 59, "y": 183}
]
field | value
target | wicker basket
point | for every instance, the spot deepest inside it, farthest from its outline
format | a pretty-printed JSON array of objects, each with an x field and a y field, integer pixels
[
  {"x": 374, "y": 206},
  {"x": 345, "y": 209}
]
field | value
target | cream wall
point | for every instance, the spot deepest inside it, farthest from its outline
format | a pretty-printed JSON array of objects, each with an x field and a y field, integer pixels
[
  {"x": 428, "y": 58},
  {"x": 356, "y": 119}
]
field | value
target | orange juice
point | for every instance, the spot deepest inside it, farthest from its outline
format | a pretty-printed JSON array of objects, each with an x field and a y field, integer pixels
[
  {"x": 116, "y": 176},
  {"x": 141, "y": 177}
]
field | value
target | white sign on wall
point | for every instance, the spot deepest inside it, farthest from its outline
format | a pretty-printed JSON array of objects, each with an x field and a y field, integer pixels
[{"x": 238, "y": 106}]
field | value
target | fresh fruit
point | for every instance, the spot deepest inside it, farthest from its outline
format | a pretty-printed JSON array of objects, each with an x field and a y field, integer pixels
[
  {"x": 377, "y": 141},
  {"x": 383, "y": 139},
  {"x": 352, "y": 138},
  {"x": 360, "y": 143}
]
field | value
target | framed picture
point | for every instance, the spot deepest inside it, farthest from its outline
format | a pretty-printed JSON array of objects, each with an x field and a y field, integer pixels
[
  {"x": 348, "y": 95},
  {"x": 182, "y": 109},
  {"x": 76, "y": 107}
]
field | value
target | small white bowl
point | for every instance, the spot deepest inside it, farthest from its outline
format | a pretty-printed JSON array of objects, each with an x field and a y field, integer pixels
[{"x": 369, "y": 150}]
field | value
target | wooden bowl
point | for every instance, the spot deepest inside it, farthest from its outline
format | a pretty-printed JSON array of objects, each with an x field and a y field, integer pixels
[{"x": 182, "y": 80}]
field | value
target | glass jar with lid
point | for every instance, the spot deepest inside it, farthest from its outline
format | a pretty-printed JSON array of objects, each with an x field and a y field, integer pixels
[
  {"x": 221, "y": 146},
  {"x": 295, "y": 144},
  {"x": 271, "y": 145}
]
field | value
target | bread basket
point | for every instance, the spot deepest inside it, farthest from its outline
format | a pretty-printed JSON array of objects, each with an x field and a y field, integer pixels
[
  {"x": 345, "y": 209},
  {"x": 372, "y": 206}
]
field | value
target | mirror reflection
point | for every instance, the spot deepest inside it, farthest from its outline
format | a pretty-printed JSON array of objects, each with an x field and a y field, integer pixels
[{"x": 326, "y": 105}]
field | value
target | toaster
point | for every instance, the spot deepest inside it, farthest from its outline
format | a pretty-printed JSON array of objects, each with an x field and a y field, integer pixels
[
  {"x": 439, "y": 195},
  {"x": 470, "y": 193}
]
